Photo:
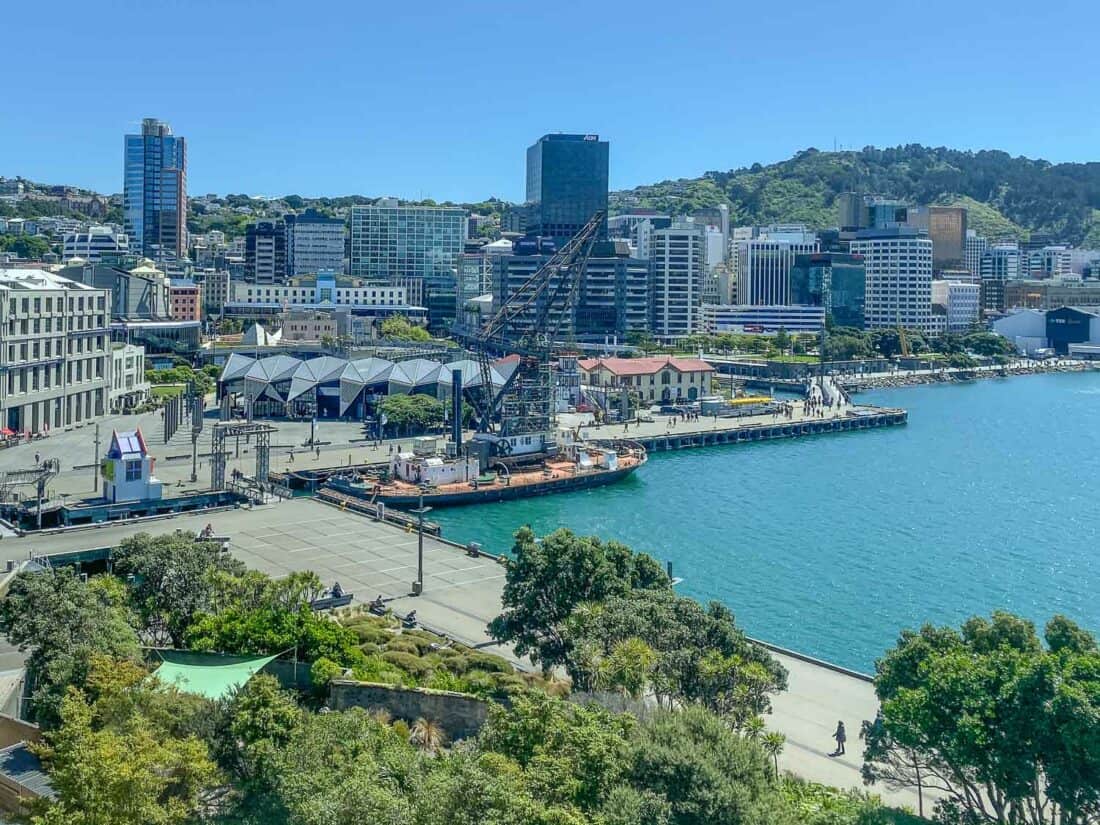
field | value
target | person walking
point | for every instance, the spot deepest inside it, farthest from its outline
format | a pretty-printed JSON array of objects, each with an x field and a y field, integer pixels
[{"x": 841, "y": 736}]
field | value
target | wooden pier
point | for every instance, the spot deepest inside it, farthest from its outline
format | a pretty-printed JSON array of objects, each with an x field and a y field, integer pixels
[{"x": 861, "y": 418}]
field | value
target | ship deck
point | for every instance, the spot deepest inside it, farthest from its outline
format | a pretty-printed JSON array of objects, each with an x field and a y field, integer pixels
[{"x": 550, "y": 470}]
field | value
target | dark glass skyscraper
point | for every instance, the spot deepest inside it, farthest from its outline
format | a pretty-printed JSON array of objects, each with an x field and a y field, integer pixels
[
  {"x": 834, "y": 280},
  {"x": 566, "y": 184},
  {"x": 154, "y": 199}
]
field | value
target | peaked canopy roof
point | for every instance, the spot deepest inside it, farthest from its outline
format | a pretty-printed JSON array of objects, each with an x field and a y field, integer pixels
[{"x": 214, "y": 681}]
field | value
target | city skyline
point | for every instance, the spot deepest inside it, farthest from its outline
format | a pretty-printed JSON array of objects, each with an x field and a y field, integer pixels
[{"x": 451, "y": 118}]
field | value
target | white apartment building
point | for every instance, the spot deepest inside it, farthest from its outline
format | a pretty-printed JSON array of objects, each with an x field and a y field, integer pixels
[
  {"x": 127, "y": 373},
  {"x": 962, "y": 302},
  {"x": 93, "y": 244},
  {"x": 54, "y": 351},
  {"x": 324, "y": 291},
  {"x": 1048, "y": 262},
  {"x": 973, "y": 248},
  {"x": 763, "y": 264},
  {"x": 899, "y": 278},
  {"x": 677, "y": 261}
]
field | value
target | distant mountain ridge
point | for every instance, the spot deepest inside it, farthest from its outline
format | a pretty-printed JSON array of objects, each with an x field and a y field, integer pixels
[{"x": 1006, "y": 195}]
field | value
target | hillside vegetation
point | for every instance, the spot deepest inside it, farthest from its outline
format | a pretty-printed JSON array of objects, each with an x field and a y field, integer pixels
[{"x": 1006, "y": 195}]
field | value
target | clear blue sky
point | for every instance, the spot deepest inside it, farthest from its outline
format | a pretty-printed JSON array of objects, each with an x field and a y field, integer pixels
[{"x": 441, "y": 99}]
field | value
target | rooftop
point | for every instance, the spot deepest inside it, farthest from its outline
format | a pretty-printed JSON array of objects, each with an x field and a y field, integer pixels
[
  {"x": 644, "y": 366},
  {"x": 29, "y": 279}
]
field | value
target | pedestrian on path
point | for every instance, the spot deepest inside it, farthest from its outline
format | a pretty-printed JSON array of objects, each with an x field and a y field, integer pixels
[{"x": 841, "y": 736}]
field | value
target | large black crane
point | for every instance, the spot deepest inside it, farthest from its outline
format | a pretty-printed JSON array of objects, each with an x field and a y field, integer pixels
[{"x": 530, "y": 323}]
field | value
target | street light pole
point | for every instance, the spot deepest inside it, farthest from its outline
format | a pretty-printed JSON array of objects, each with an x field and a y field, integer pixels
[{"x": 421, "y": 511}]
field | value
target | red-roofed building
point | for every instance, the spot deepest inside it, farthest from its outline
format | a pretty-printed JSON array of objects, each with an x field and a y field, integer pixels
[{"x": 665, "y": 379}]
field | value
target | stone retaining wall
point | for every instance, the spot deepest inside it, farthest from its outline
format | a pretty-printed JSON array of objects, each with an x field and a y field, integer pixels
[{"x": 461, "y": 716}]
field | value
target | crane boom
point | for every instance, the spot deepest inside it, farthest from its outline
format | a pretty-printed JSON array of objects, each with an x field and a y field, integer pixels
[{"x": 529, "y": 323}]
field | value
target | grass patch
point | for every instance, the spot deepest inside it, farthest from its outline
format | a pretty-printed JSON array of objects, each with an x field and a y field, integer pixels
[{"x": 167, "y": 390}]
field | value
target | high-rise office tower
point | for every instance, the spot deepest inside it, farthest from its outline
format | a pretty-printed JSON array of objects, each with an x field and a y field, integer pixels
[
  {"x": 154, "y": 199},
  {"x": 566, "y": 184},
  {"x": 898, "y": 262},
  {"x": 677, "y": 264},
  {"x": 265, "y": 252}
]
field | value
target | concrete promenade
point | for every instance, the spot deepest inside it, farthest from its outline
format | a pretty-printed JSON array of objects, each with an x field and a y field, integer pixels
[{"x": 461, "y": 595}]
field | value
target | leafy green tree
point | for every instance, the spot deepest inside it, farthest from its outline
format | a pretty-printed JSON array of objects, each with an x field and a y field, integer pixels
[
  {"x": 772, "y": 742},
  {"x": 845, "y": 347},
  {"x": 263, "y": 719},
  {"x": 412, "y": 413},
  {"x": 63, "y": 623},
  {"x": 400, "y": 328},
  {"x": 547, "y": 579},
  {"x": 706, "y": 772},
  {"x": 572, "y": 755},
  {"x": 32, "y": 247},
  {"x": 1002, "y": 728},
  {"x": 701, "y": 655},
  {"x": 172, "y": 580},
  {"x": 121, "y": 772},
  {"x": 782, "y": 340},
  {"x": 988, "y": 343}
]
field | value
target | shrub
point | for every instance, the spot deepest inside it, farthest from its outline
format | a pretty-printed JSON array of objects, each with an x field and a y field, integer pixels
[
  {"x": 456, "y": 664},
  {"x": 377, "y": 669},
  {"x": 490, "y": 663},
  {"x": 479, "y": 683},
  {"x": 413, "y": 665},
  {"x": 369, "y": 649},
  {"x": 445, "y": 680},
  {"x": 324, "y": 671},
  {"x": 370, "y": 633},
  {"x": 399, "y": 645}
]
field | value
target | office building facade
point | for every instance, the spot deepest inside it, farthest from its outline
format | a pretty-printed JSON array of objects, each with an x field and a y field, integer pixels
[
  {"x": 184, "y": 300},
  {"x": 314, "y": 243},
  {"x": 947, "y": 227},
  {"x": 961, "y": 303},
  {"x": 974, "y": 248},
  {"x": 265, "y": 252},
  {"x": 763, "y": 266},
  {"x": 898, "y": 263},
  {"x": 154, "y": 197},
  {"x": 835, "y": 281},
  {"x": 762, "y": 320},
  {"x": 611, "y": 301},
  {"x": 1001, "y": 262},
  {"x": 54, "y": 351},
  {"x": 94, "y": 243},
  {"x": 677, "y": 265},
  {"x": 391, "y": 242},
  {"x": 567, "y": 177}
]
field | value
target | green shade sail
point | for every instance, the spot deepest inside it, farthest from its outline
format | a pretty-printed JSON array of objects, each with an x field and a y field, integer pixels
[{"x": 214, "y": 681}]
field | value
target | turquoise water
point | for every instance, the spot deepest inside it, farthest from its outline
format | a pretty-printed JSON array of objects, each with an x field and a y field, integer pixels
[{"x": 987, "y": 499}]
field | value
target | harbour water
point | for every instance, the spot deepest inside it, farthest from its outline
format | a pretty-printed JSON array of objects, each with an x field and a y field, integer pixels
[{"x": 831, "y": 545}]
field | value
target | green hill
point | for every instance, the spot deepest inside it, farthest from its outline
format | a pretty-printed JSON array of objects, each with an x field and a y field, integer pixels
[{"x": 1006, "y": 195}]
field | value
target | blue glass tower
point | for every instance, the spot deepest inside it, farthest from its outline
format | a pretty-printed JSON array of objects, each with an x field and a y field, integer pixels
[
  {"x": 154, "y": 199},
  {"x": 566, "y": 184}
]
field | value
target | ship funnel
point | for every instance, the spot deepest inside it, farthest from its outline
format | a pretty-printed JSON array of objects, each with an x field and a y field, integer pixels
[{"x": 456, "y": 408}]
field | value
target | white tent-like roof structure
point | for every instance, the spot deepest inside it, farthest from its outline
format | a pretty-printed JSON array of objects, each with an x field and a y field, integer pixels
[{"x": 283, "y": 379}]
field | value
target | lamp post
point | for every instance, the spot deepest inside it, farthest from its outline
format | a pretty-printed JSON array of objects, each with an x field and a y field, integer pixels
[{"x": 420, "y": 512}]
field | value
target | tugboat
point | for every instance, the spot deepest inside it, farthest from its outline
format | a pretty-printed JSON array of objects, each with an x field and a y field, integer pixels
[{"x": 470, "y": 478}]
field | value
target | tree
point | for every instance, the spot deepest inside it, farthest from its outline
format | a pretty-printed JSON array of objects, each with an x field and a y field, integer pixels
[
  {"x": 782, "y": 340},
  {"x": 412, "y": 413},
  {"x": 701, "y": 655},
  {"x": 843, "y": 347},
  {"x": 547, "y": 579},
  {"x": 173, "y": 580},
  {"x": 1005, "y": 730},
  {"x": 772, "y": 742},
  {"x": 32, "y": 247},
  {"x": 64, "y": 622},
  {"x": 400, "y": 328},
  {"x": 263, "y": 719},
  {"x": 706, "y": 772},
  {"x": 120, "y": 771},
  {"x": 988, "y": 343}
]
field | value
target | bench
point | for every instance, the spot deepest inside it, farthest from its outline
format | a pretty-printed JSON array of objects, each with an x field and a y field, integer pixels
[{"x": 330, "y": 602}]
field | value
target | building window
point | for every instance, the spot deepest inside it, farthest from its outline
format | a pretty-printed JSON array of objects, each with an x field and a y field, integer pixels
[{"x": 133, "y": 470}]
